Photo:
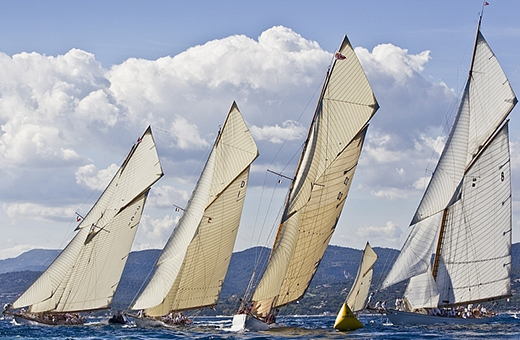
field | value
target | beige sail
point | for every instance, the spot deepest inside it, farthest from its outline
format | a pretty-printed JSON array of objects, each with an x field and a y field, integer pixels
[
  {"x": 86, "y": 273},
  {"x": 464, "y": 217},
  {"x": 358, "y": 294},
  {"x": 321, "y": 184},
  {"x": 192, "y": 266},
  {"x": 355, "y": 301}
]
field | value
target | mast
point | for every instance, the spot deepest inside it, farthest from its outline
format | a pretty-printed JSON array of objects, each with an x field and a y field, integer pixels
[{"x": 439, "y": 246}]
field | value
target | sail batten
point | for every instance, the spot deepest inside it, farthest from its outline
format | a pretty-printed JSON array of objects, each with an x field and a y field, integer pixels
[
  {"x": 193, "y": 264},
  {"x": 321, "y": 184},
  {"x": 86, "y": 273}
]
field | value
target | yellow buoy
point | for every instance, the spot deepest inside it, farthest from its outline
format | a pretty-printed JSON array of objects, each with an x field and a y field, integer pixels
[{"x": 346, "y": 320}]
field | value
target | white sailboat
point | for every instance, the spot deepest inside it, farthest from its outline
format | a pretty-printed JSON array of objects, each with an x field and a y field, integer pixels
[
  {"x": 318, "y": 191},
  {"x": 85, "y": 275},
  {"x": 464, "y": 218},
  {"x": 192, "y": 266},
  {"x": 356, "y": 298}
]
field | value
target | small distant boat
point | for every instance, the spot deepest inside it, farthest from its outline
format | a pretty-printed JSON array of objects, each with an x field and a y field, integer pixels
[
  {"x": 464, "y": 218},
  {"x": 318, "y": 192},
  {"x": 192, "y": 266},
  {"x": 356, "y": 298},
  {"x": 85, "y": 275}
]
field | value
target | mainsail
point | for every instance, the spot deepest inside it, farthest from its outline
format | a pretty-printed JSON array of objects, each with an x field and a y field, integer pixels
[
  {"x": 192, "y": 266},
  {"x": 87, "y": 272},
  {"x": 321, "y": 184},
  {"x": 464, "y": 218}
]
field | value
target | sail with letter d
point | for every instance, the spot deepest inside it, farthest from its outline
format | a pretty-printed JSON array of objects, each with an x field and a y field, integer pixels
[{"x": 192, "y": 266}]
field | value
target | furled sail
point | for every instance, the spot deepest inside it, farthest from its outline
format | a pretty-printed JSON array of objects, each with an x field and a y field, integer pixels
[
  {"x": 193, "y": 264},
  {"x": 321, "y": 184},
  {"x": 464, "y": 217},
  {"x": 86, "y": 273}
]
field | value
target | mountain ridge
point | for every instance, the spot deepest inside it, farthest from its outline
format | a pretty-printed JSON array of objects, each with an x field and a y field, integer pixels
[{"x": 325, "y": 294}]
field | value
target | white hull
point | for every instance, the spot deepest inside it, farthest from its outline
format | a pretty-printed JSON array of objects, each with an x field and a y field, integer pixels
[
  {"x": 245, "y": 322},
  {"x": 409, "y": 318}
]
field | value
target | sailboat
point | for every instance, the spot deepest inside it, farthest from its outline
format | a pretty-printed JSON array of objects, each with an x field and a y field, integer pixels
[
  {"x": 464, "y": 217},
  {"x": 191, "y": 268},
  {"x": 85, "y": 275},
  {"x": 318, "y": 191},
  {"x": 355, "y": 301}
]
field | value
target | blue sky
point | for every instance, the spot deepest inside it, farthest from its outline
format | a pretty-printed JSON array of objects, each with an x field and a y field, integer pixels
[{"x": 80, "y": 81}]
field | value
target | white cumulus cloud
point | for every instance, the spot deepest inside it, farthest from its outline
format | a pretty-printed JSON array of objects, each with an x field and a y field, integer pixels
[
  {"x": 92, "y": 178},
  {"x": 290, "y": 130}
]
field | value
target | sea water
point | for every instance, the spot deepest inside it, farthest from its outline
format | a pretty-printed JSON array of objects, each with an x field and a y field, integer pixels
[{"x": 505, "y": 326}]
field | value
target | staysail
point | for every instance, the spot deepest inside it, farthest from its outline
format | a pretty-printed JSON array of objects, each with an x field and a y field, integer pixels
[
  {"x": 464, "y": 217},
  {"x": 87, "y": 272},
  {"x": 193, "y": 264},
  {"x": 321, "y": 183}
]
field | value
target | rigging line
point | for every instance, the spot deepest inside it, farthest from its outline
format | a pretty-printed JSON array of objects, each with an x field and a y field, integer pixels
[
  {"x": 311, "y": 99},
  {"x": 152, "y": 269},
  {"x": 262, "y": 251},
  {"x": 74, "y": 220},
  {"x": 275, "y": 224},
  {"x": 201, "y": 159}
]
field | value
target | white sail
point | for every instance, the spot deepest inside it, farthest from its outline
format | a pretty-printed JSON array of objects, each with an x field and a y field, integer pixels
[
  {"x": 487, "y": 100},
  {"x": 464, "y": 217},
  {"x": 86, "y": 273},
  {"x": 359, "y": 292},
  {"x": 193, "y": 264},
  {"x": 321, "y": 184},
  {"x": 475, "y": 258},
  {"x": 416, "y": 254},
  {"x": 422, "y": 292}
]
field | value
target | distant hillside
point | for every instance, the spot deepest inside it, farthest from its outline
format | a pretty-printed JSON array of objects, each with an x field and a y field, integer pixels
[
  {"x": 33, "y": 260},
  {"x": 327, "y": 290}
]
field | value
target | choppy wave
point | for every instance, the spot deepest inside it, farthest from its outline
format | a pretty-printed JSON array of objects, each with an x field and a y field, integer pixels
[{"x": 506, "y": 326}]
